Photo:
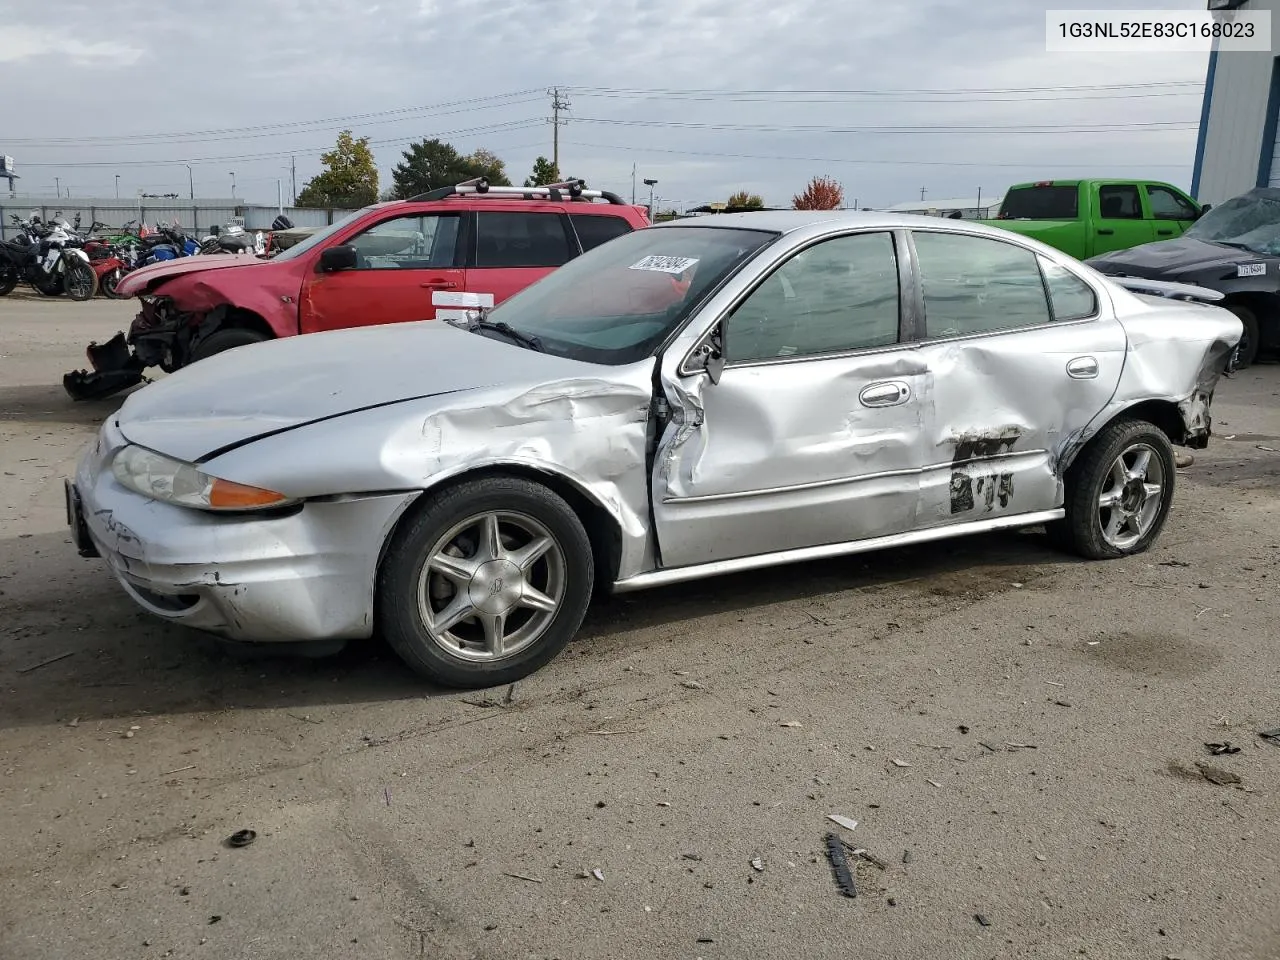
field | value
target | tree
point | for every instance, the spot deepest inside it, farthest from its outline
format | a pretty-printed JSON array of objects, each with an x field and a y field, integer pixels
[
  {"x": 822, "y": 193},
  {"x": 350, "y": 178},
  {"x": 745, "y": 201},
  {"x": 430, "y": 164},
  {"x": 544, "y": 172}
]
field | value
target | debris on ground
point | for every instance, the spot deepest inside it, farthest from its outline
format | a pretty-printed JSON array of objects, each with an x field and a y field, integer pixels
[
  {"x": 521, "y": 876},
  {"x": 757, "y": 865},
  {"x": 1221, "y": 749},
  {"x": 242, "y": 838},
  {"x": 982, "y": 920},
  {"x": 1272, "y": 735},
  {"x": 846, "y": 822},
  {"x": 899, "y": 763},
  {"x": 840, "y": 866},
  {"x": 906, "y": 856},
  {"x": 692, "y": 685},
  {"x": 1174, "y": 563},
  {"x": 1223, "y": 778},
  {"x": 598, "y": 873},
  {"x": 45, "y": 663},
  {"x": 791, "y": 723},
  {"x": 866, "y": 855}
]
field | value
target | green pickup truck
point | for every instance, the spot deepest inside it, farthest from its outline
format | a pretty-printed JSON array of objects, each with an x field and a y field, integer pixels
[{"x": 1087, "y": 217}]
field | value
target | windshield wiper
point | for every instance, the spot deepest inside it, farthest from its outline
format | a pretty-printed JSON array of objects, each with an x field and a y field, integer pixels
[{"x": 506, "y": 330}]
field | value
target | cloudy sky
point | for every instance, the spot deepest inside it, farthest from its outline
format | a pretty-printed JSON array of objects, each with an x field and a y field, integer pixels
[{"x": 706, "y": 96}]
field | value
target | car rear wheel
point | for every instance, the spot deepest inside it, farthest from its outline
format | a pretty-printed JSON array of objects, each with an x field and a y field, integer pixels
[
  {"x": 1247, "y": 350},
  {"x": 486, "y": 583},
  {"x": 224, "y": 340},
  {"x": 1118, "y": 492}
]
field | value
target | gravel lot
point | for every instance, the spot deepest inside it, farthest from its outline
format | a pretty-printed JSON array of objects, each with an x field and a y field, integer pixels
[{"x": 689, "y": 732}]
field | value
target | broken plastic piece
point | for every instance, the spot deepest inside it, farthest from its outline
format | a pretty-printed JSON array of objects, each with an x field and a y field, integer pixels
[
  {"x": 844, "y": 821},
  {"x": 757, "y": 865},
  {"x": 1221, "y": 749},
  {"x": 840, "y": 866},
  {"x": 1272, "y": 735},
  {"x": 242, "y": 838}
]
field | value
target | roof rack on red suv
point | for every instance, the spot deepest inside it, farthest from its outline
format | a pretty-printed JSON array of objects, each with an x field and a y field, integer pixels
[{"x": 555, "y": 192}]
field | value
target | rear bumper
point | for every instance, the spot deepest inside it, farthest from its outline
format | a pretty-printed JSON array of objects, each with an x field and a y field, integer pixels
[{"x": 305, "y": 575}]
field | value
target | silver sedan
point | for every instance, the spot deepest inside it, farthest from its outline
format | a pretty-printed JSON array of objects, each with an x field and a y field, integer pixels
[{"x": 706, "y": 396}]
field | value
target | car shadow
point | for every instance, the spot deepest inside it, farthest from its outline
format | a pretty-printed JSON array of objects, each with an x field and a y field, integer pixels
[
  {"x": 49, "y": 403},
  {"x": 99, "y": 656}
]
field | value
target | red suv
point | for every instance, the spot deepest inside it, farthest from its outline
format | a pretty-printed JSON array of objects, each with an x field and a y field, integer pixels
[{"x": 441, "y": 255}]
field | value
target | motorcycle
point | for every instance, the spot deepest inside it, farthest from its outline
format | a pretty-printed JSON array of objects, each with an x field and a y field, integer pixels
[
  {"x": 168, "y": 243},
  {"x": 232, "y": 239},
  {"x": 110, "y": 259},
  {"x": 49, "y": 257}
]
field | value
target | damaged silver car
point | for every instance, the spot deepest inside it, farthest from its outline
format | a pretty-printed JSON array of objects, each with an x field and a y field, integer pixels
[{"x": 697, "y": 398}]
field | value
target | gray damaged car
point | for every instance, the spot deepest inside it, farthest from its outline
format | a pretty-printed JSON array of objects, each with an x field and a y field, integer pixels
[{"x": 701, "y": 397}]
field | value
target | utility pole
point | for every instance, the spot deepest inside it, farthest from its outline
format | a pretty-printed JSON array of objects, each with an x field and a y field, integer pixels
[
  {"x": 633, "y": 184},
  {"x": 556, "y": 106},
  {"x": 57, "y": 186},
  {"x": 191, "y": 182},
  {"x": 293, "y": 180},
  {"x": 117, "y": 186},
  {"x": 279, "y": 197},
  {"x": 650, "y": 184},
  {"x": 922, "y": 194},
  {"x": 233, "y": 184}
]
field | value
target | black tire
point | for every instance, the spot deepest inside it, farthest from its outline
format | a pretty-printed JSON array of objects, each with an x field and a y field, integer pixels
[
  {"x": 1247, "y": 350},
  {"x": 8, "y": 280},
  {"x": 47, "y": 287},
  {"x": 222, "y": 340},
  {"x": 401, "y": 573},
  {"x": 108, "y": 283},
  {"x": 1081, "y": 531},
  {"x": 79, "y": 280}
]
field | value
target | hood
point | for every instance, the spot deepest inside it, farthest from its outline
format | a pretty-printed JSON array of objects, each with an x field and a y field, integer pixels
[
  {"x": 270, "y": 387},
  {"x": 1168, "y": 258},
  {"x": 139, "y": 280}
]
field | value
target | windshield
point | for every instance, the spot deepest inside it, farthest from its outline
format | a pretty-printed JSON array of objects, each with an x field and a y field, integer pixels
[
  {"x": 313, "y": 241},
  {"x": 1249, "y": 221},
  {"x": 1041, "y": 203},
  {"x": 617, "y": 303}
]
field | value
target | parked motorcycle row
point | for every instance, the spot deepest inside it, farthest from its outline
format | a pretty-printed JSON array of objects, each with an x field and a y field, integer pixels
[{"x": 56, "y": 258}]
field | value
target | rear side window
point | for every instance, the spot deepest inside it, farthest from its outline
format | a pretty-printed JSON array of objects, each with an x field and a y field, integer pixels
[
  {"x": 978, "y": 285},
  {"x": 1041, "y": 203},
  {"x": 1071, "y": 297},
  {"x": 595, "y": 229},
  {"x": 521, "y": 240},
  {"x": 1119, "y": 201}
]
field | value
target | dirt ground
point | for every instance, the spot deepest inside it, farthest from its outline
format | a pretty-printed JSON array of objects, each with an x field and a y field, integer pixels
[{"x": 1019, "y": 736}]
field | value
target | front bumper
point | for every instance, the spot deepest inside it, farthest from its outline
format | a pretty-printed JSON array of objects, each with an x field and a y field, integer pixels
[{"x": 305, "y": 575}]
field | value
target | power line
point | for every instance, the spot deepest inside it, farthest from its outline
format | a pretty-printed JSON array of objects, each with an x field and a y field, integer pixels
[
  {"x": 856, "y": 98},
  {"x": 469, "y": 131},
  {"x": 883, "y": 91},
  {"x": 474, "y": 103},
  {"x": 888, "y": 163},
  {"x": 924, "y": 128}
]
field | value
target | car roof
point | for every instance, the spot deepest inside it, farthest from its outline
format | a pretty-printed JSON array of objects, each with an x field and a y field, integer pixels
[{"x": 789, "y": 221}]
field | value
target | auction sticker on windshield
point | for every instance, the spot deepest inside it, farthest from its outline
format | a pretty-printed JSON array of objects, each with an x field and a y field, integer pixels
[
  {"x": 1251, "y": 270},
  {"x": 673, "y": 265}
]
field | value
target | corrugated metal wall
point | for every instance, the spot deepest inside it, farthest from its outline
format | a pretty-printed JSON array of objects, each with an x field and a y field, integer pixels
[
  {"x": 1238, "y": 117},
  {"x": 196, "y": 217}
]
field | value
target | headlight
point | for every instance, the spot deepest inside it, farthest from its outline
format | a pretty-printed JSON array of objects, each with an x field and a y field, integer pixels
[{"x": 163, "y": 478}]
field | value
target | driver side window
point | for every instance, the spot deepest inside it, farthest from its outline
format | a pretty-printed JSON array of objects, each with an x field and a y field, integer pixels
[
  {"x": 833, "y": 297},
  {"x": 408, "y": 243}
]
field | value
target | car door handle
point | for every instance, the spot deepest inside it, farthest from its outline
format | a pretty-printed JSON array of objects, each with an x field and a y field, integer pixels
[
  {"x": 1106, "y": 231},
  {"x": 1082, "y": 368},
  {"x": 887, "y": 394},
  {"x": 438, "y": 284},
  {"x": 1165, "y": 233}
]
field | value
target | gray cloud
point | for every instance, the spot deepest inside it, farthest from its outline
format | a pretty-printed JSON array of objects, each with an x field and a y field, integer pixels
[{"x": 163, "y": 69}]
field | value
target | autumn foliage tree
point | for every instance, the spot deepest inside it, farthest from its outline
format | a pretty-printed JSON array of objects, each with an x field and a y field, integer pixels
[
  {"x": 822, "y": 193},
  {"x": 349, "y": 178}
]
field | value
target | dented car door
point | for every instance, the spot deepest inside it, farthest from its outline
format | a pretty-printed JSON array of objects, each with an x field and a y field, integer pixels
[
  {"x": 1022, "y": 354},
  {"x": 812, "y": 433}
]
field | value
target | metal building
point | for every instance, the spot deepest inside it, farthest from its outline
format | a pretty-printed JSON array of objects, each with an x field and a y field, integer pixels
[{"x": 1237, "y": 148}]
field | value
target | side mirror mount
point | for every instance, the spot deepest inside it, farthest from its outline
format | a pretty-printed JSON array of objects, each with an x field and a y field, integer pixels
[
  {"x": 1205, "y": 209},
  {"x": 710, "y": 355},
  {"x": 341, "y": 257}
]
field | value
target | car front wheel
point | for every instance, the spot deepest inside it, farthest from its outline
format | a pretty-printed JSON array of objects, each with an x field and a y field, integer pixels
[
  {"x": 1118, "y": 492},
  {"x": 486, "y": 583}
]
